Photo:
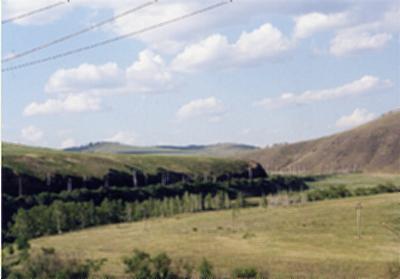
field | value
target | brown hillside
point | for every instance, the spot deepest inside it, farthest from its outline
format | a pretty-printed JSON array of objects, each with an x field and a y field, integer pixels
[{"x": 373, "y": 147}]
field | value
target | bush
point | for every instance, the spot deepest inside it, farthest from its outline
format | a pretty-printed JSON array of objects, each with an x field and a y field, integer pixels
[
  {"x": 141, "y": 266},
  {"x": 206, "y": 270},
  {"x": 48, "y": 265},
  {"x": 245, "y": 273},
  {"x": 393, "y": 270}
]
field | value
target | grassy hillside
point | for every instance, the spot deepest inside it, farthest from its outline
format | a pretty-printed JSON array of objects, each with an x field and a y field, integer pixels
[
  {"x": 356, "y": 180},
  {"x": 316, "y": 240},
  {"x": 41, "y": 161},
  {"x": 373, "y": 147},
  {"x": 216, "y": 150}
]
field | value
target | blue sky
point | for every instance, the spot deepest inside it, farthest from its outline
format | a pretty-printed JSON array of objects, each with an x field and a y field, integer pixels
[{"x": 257, "y": 72}]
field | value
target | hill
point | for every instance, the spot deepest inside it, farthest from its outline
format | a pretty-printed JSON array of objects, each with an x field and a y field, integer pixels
[
  {"x": 315, "y": 240},
  {"x": 215, "y": 150},
  {"x": 51, "y": 170},
  {"x": 373, "y": 147}
]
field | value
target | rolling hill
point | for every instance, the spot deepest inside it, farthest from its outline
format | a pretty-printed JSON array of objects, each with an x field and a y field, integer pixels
[
  {"x": 373, "y": 147},
  {"x": 43, "y": 169},
  {"x": 216, "y": 150}
]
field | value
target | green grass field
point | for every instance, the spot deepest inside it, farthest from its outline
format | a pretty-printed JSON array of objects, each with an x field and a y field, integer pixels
[
  {"x": 356, "y": 180},
  {"x": 314, "y": 240},
  {"x": 39, "y": 162}
]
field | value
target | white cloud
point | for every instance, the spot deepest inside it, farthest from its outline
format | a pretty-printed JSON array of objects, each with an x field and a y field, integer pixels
[
  {"x": 149, "y": 73},
  {"x": 369, "y": 34},
  {"x": 308, "y": 24},
  {"x": 350, "y": 41},
  {"x": 123, "y": 137},
  {"x": 70, "y": 103},
  {"x": 209, "y": 107},
  {"x": 32, "y": 134},
  {"x": 358, "y": 117},
  {"x": 83, "y": 78},
  {"x": 266, "y": 42},
  {"x": 67, "y": 143},
  {"x": 358, "y": 87}
]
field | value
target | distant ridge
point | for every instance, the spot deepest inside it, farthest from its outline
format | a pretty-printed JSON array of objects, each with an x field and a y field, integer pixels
[
  {"x": 215, "y": 150},
  {"x": 372, "y": 147}
]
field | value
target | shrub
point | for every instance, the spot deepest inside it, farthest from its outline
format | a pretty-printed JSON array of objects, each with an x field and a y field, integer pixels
[
  {"x": 206, "y": 270},
  {"x": 393, "y": 270},
  {"x": 245, "y": 273},
  {"x": 48, "y": 265},
  {"x": 141, "y": 266}
]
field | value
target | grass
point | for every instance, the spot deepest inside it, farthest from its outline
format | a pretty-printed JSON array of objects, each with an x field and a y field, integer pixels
[
  {"x": 356, "y": 180},
  {"x": 315, "y": 240},
  {"x": 39, "y": 162}
]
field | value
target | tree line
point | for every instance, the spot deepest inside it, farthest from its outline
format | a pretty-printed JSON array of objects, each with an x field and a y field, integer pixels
[
  {"x": 248, "y": 187},
  {"x": 60, "y": 217}
]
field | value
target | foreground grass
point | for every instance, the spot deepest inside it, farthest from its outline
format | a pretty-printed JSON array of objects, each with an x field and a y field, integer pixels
[
  {"x": 356, "y": 180},
  {"x": 314, "y": 240}
]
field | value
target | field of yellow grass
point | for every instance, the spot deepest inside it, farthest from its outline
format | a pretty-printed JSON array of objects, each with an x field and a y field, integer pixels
[{"x": 314, "y": 240}]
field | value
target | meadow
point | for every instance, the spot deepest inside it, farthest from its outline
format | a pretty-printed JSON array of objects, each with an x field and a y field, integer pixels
[{"x": 311, "y": 240}]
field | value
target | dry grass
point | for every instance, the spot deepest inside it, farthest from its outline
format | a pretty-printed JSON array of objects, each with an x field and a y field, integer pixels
[{"x": 316, "y": 240}]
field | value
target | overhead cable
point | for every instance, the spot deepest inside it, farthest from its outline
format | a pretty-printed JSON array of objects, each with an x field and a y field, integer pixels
[
  {"x": 33, "y": 12},
  {"x": 115, "y": 39},
  {"x": 77, "y": 33}
]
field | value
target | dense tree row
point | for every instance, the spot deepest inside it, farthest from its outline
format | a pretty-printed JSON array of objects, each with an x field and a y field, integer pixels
[
  {"x": 61, "y": 216},
  {"x": 254, "y": 187},
  {"x": 337, "y": 192}
]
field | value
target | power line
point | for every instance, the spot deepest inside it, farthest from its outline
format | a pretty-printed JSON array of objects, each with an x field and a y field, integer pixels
[
  {"x": 80, "y": 32},
  {"x": 27, "y": 14},
  {"x": 115, "y": 39}
]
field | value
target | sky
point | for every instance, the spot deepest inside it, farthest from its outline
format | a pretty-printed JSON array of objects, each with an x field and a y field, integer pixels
[{"x": 258, "y": 72}]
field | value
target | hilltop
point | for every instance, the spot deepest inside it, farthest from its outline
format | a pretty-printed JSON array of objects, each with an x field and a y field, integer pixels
[
  {"x": 373, "y": 147},
  {"x": 40, "y": 167},
  {"x": 214, "y": 150}
]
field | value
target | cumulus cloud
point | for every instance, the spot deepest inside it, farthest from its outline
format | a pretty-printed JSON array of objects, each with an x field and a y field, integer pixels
[
  {"x": 83, "y": 78},
  {"x": 32, "y": 134},
  {"x": 173, "y": 37},
  {"x": 358, "y": 87},
  {"x": 149, "y": 73},
  {"x": 358, "y": 117},
  {"x": 308, "y": 24},
  {"x": 209, "y": 107},
  {"x": 69, "y": 103},
  {"x": 367, "y": 35},
  {"x": 67, "y": 143},
  {"x": 351, "y": 41},
  {"x": 123, "y": 137},
  {"x": 266, "y": 42}
]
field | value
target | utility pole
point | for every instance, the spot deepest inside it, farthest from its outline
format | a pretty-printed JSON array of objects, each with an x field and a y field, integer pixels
[{"x": 358, "y": 219}]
